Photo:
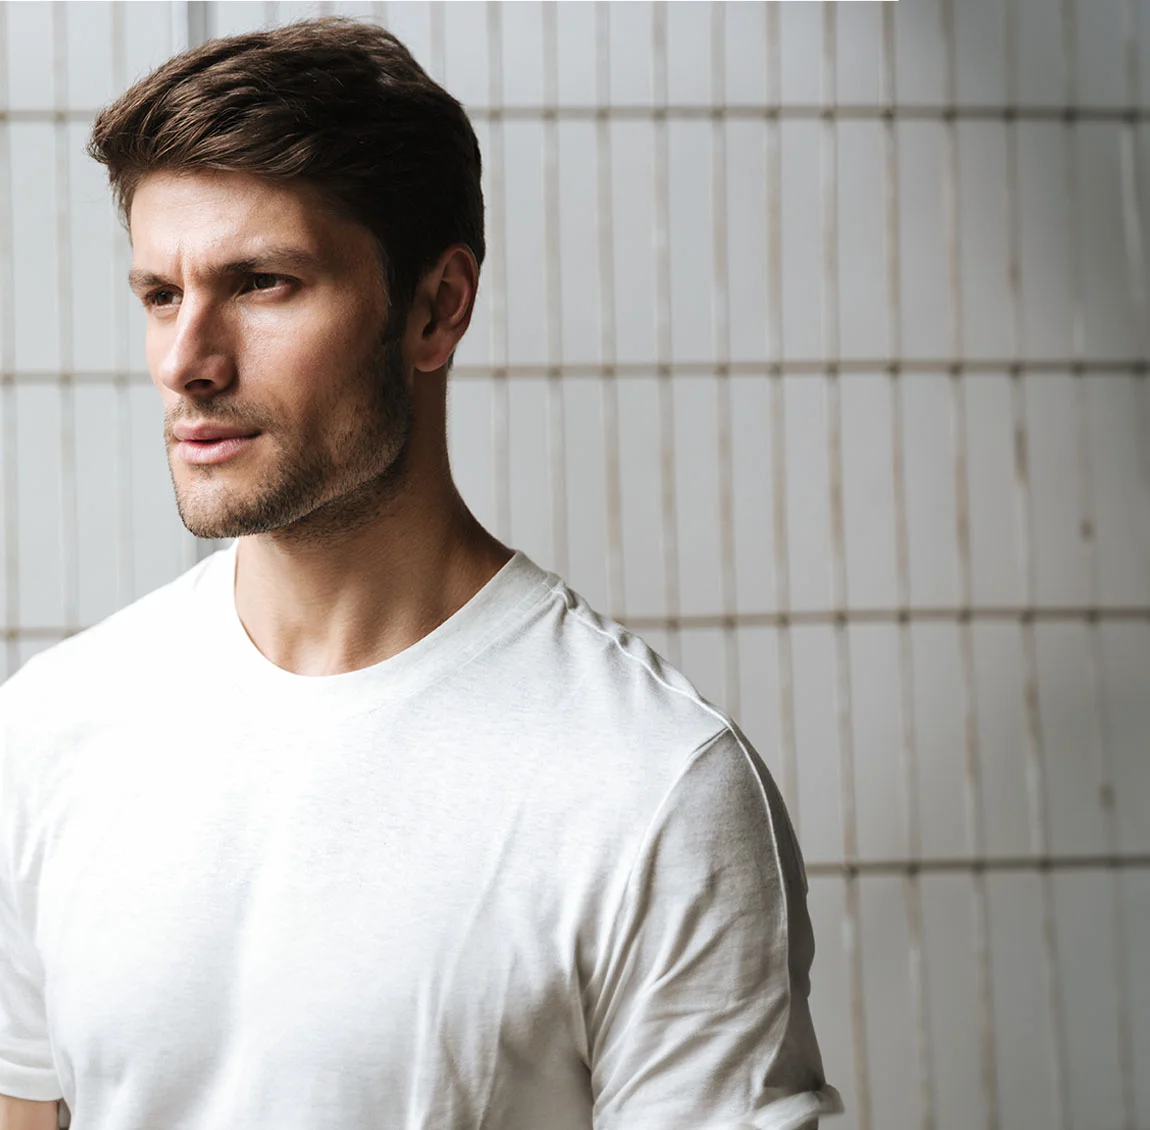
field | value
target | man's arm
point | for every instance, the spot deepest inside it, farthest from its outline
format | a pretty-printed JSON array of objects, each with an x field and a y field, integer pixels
[
  {"x": 28, "y": 1114},
  {"x": 697, "y": 1012}
]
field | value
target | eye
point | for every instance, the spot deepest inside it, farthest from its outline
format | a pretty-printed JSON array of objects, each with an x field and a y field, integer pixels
[
  {"x": 157, "y": 297},
  {"x": 271, "y": 280}
]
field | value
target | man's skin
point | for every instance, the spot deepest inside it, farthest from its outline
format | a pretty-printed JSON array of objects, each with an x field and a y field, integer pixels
[{"x": 354, "y": 542}]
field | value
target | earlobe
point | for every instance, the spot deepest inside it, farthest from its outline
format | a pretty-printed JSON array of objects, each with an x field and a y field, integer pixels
[{"x": 446, "y": 303}]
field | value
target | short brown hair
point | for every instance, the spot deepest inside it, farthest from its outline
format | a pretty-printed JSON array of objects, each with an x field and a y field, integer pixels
[{"x": 336, "y": 103}]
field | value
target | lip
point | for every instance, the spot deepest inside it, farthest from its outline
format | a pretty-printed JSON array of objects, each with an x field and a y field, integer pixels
[
  {"x": 200, "y": 432},
  {"x": 214, "y": 450}
]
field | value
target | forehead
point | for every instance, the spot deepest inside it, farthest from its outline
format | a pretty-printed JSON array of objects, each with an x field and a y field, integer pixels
[{"x": 189, "y": 217}]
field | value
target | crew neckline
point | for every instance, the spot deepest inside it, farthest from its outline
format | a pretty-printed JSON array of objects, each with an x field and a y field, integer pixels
[{"x": 515, "y": 588}]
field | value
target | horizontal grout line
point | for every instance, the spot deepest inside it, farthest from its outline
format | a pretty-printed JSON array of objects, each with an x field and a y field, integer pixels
[
  {"x": 910, "y": 367},
  {"x": 797, "y": 111},
  {"x": 1086, "y": 614},
  {"x": 1023, "y": 615},
  {"x": 972, "y": 866}
]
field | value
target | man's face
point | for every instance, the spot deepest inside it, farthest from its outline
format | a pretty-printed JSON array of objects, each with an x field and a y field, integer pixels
[{"x": 266, "y": 312}]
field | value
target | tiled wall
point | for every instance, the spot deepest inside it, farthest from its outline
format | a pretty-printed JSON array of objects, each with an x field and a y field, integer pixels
[{"x": 811, "y": 344}]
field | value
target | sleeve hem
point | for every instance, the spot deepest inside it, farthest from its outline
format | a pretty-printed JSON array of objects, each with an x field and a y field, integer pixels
[{"x": 29, "y": 1083}]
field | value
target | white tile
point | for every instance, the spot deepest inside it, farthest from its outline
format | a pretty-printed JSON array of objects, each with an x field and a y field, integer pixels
[
  {"x": 750, "y": 200},
  {"x": 944, "y": 792},
  {"x": 1001, "y": 733},
  {"x": 470, "y": 443},
  {"x": 531, "y": 461},
  {"x": 586, "y": 450},
  {"x": 580, "y": 266},
  {"x": 980, "y": 49},
  {"x": 692, "y": 287},
  {"x": 630, "y": 53},
  {"x": 1044, "y": 222},
  {"x": 1119, "y": 489},
  {"x": 983, "y": 240},
  {"x": 1084, "y": 914},
  {"x": 28, "y": 62},
  {"x": 925, "y": 296},
  {"x": 869, "y": 490},
  {"x": 697, "y": 411},
  {"x": 690, "y": 32},
  {"x": 1070, "y": 738},
  {"x": 576, "y": 25},
  {"x": 807, "y": 491},
  {"x": 36, "y": 302},
  {"x": 633, "y": 231},
  {"x": 753, "y": 489},
  {"x": 529, "y": 303},
  {"x": 993, "y": 507},
  {"x": 952, "y": 983},
  {"x": 1052, "y": 437},
  {"x": 522, "y": 48},
  {"x": 801, "y": 216},
  {"x": 642, "y": 506},
  {"x": 928, "y": 460},
  {"x": 1022, "y": 1016},
  {"x": 1125, "y": 647},
  {"x": 818, "y": 808},
  {"x": 703, "y": 661},
  {"x": 38, "y": 494},
  {"x": 881, "y": 785},
  {"x": 889, "y": 1006},
  {"x": 99, "y": 554},
  {"x": 863, "y": 239}
]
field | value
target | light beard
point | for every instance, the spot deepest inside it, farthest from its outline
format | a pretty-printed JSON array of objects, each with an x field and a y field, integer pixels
[{"x": 307, "y": 497}]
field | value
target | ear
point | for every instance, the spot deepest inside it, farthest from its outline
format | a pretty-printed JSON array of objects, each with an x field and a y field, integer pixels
[{"x": 441, "y": 309}]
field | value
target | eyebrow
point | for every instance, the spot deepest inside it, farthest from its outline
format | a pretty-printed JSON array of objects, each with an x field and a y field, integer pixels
[{"x": 289, "y": 258}]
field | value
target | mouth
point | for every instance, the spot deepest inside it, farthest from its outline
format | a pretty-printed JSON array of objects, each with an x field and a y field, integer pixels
[{"x": 218, "y": 450}]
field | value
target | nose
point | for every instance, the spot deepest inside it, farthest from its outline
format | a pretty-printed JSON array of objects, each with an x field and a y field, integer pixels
[{"x": 196, "y": 357}]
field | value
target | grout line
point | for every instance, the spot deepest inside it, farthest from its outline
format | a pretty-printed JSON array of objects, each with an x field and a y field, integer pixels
[
  {"x": 721, "y": 326},
  {"x": 608, "y": 371},
  {"x": 663, "y": 318}
]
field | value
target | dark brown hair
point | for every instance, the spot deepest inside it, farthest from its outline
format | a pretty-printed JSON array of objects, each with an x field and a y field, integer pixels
[{"x": 335, "y": 103}]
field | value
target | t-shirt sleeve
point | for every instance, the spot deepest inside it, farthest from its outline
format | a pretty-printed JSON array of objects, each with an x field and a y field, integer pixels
[
  {"x": 697, "y": 1013},
  {"x": 27, "y": 1069}
]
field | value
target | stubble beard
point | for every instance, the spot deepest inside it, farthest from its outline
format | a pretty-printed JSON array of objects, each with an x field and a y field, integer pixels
[{"x": 307, "y": 497}]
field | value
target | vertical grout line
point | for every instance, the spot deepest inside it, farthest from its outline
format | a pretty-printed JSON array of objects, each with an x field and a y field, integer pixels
[
  {"x": 972, "y": 754},
  {"x": 839, "y": 597},
  {"x": 1133, "y": 222},
  {"x": 69, "y": 518},
  {"x": 8, "y": 373},
  {"x": 379, "y": 12},
  {"x": 500, "y": 401},
  {"x": 788, "y": 757},
  {"x": 554, "y": 294},
  {"x": 909, "y": 750},
  {"x": 1035, "y": 755},
  {"x": 662, "y": 235},
  {"x": 732, "y": 697},
  {"x": 122, "y": 381},
  {"x": 616, "y": 594}
]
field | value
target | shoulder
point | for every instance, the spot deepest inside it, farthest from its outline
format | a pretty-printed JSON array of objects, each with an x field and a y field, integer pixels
[
  {"x": 120, "y": 655},
  {"x": 630, "y": 712}
]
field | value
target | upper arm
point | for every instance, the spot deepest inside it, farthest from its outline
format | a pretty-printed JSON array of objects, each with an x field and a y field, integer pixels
[
  {"x": 698, "y": 1010},
  {"x": 28, "y": 1114}
]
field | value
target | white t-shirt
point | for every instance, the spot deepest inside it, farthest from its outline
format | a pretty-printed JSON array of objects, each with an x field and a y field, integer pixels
[{"x": 519, "y": 876}]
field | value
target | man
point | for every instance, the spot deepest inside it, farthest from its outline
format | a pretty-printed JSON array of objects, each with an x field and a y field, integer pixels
[{"x": 366, "y": 821}]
